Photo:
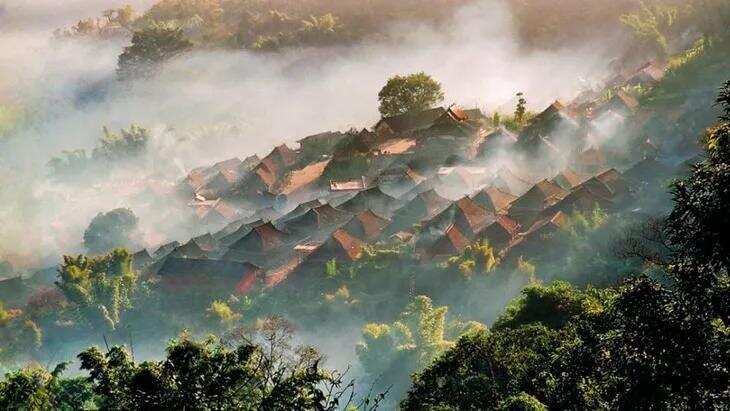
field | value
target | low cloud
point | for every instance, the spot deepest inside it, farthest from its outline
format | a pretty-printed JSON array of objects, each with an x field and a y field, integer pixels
[{"x": 206, "y": 106}]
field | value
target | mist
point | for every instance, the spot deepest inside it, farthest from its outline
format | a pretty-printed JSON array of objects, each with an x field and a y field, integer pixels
[{"x": 207, "y": 106}]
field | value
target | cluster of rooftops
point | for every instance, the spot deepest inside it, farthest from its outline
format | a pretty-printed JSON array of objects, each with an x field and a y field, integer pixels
[{"x": 436, "y": 180}]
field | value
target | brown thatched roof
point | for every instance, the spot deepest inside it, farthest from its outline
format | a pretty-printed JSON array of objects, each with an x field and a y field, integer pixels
[{"x": 413, "y": 121}]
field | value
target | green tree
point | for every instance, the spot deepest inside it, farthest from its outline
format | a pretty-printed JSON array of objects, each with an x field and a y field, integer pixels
[
  {"x": 552, "y": 306},
  {"x": 521, "y": 108},
  {"x": 390, "y": 352},
  {"x": 99, "y": 288},
  {"x": 37, "y": 389},
  {"x": 414, "y": 92},
  {"x": 652, "y": 23},
  {"x": 210, "y": 375},
  {"x": 522, "y": 402},
  {"x": 150, "y": 47},
  {"x": 322, "y": 30},
  {"x": 20, "y": 335},
  {"x": 131, "y": 143},
  {"x": 476, "y": 258},
  {"x": 110, "y": 230}
]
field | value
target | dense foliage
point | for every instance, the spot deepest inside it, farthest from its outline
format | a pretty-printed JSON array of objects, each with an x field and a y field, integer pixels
[
  {"x": 110, "y": 230},
  {"x": 100, "y": 288},
  {"x": 414, "y": 92},
  {"x": 113, "y": 148},
  {"x": 150, "y": 47},
  {"x": 196, "y": 375}
]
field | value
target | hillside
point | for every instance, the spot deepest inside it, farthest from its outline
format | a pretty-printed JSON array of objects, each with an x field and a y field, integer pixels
[
  {"x": 272, "y": 25},
  {"x": 570, "y": 255}
]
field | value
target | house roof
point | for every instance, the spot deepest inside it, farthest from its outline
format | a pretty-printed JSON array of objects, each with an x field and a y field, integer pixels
[
  {"x": 349, "y": 185},
  {"x": 612, "y": 178},
  {"x": 412, "y": 121},
  {"x": 220, "y": 176},
  {"x": 493, "y": 199},
  {"x": 281, "y": 272},
  {"x": 452, "y": 242},
  {"x": 538, "y": 195},
  {"x": 228, "y": 165},
  {"x": 350, "y": 245},
  {"x": 501, "y": 232},
  {"x": 273, "y": 166},
  {"x": 469, "y": 174},
  {"x": 423, "y": 206},
  {"x": 508, "y": 181},
  {"x": 299, "y": 179},
  {"x": 567, "y": 179},
  {"x": 432, "y": 201},
  {"x": 206, "y": 242},
  {"x": 366, "y": 225},
  {"x": 454, "y": 122},
  {"x": 317, "y": 218},
  {"x": 262, "y": 238},
  {"x": 507, "y": 223},
  {"x": 285, "y": 154},
  {"x": 457, "y": 113},
  {"x": 226, "y": 210},
  {"x": 474, "y": 114},
  {"x": 239, "y": 273},
  {"x": 557, "y": 220},
  {"x": 300, "y": 210},
  {"x": 425, "y": 185},
  {"x": 475, "y": 215},
  {"x": 584, "y": 198},
  {"x": 267, "y": 173},
  {"x": 241, "y": 232},
  {"x": 141, "y": 258},
  {"x": 397, "y": 146},
  {"x": 545, "y": 123},
  {"x": 400, "y": 180},
  {"x": 592, "y": 157},
  {"x": 196, "y": 179},
  {"x": 468, "y": 217},
  {"x": 533, "y": 241},
  {"x": 326, "y": 136},
  {"x": 191, "y": 249},
  {"x": 501, "y": 135},
  {"x": 371, "y": 199},
  {"x": 165, "y": 249}
]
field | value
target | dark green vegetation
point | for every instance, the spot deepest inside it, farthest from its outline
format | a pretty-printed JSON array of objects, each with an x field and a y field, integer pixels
[
  {"x": 259, "y": 371},
  {"x": 110, "y": 230},
  {"x": 150, "y": 47}
]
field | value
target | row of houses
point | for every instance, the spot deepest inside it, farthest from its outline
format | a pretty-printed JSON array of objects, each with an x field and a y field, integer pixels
[
  {"x": 434, "y": 179},
  {"x": 263, "y": 254}
]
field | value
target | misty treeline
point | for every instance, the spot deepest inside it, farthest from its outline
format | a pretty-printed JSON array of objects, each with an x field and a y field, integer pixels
[
  {"x": 173, "y": 26},
  {"x": 255, "y": 368},
  {"x": 128, "y": 144}
]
